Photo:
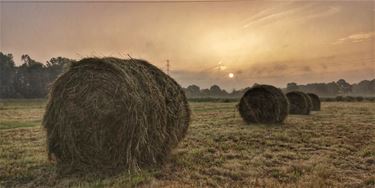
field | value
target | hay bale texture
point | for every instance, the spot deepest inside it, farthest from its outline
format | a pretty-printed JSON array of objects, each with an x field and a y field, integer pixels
[
  {"x": 263, "y": 104},
  {"x": 315, "y": 101},
  {"x": 309, "y": 101},
  {"x": 300, "y": 103},
  {"x": 112, "y": 114}
]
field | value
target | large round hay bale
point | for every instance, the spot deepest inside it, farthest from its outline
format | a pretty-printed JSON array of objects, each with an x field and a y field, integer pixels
[
  {"x": 111, "y": 114},
  {"x": 300, "y": 103},
  {"x": 263, "y": 104},
  {"x": 315, "y": 101}
]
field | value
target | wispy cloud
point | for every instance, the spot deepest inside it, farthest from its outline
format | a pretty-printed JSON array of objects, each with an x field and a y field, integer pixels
[
  {"x": 324, "y": 13},
  {"x": 355, "y": 38},
  {"x": 271, "y": 15},
  {"x": 291, "y": 13}
]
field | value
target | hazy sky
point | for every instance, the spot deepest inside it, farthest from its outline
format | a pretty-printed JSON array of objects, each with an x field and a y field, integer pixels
[{"x": 273, "y": 42}]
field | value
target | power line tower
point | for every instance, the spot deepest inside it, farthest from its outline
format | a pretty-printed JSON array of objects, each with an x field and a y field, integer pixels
[{"x": 168, "y": 65}]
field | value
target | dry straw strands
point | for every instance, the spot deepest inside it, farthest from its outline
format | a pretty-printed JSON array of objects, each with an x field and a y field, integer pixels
[
  {"x": 263, "y": 104},
  {"x": 315, "y": 101},
  {"x": 110, "y": 114},
  {"x": 300, "y": 103}
]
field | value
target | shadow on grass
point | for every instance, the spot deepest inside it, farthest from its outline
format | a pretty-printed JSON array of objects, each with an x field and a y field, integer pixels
[{"x": 46, "y": 175}]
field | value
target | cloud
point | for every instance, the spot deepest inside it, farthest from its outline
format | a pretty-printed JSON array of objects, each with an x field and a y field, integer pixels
[
  {"x": 294, "y": 13},
  {"x": 271, "y": 15},
  {"x": 355, "y": 38},
  {"x": 328, "y": 12}
]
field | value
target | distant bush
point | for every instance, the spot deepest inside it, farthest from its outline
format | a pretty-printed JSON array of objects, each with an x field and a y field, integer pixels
[
  {"x": 330, "y": 99},
  {"x": 359, "y": 99},
  {"x": 339, "y": 98},
  {"x": 349, "y": 99},
  {"x": 210, "y": 99}
]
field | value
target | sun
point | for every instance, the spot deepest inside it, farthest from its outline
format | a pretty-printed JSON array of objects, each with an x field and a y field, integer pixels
[{"x": 230, "y": 75}]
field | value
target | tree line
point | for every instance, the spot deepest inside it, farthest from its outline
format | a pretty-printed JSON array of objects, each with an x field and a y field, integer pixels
[
  {"x": 32, "y": 78},
  {"x": 331, "y": 89},
  {"x": 338, "y": 88}
]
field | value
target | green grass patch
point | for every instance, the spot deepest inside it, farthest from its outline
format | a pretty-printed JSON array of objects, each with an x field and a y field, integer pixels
[
  {"x": 18, "y": 124},
  {"x": 6, "y": 104}
]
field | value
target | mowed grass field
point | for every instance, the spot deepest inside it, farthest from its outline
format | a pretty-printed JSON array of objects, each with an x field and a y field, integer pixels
[{"x": 333, "y": 147}]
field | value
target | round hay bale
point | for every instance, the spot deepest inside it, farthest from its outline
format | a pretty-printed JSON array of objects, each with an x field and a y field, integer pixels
[
  {"x": 300, "y": 103},
  {"x": 110, "y": 114},
  {"x": 263, "y": 104},
  {"x": 315, "y": 101}
]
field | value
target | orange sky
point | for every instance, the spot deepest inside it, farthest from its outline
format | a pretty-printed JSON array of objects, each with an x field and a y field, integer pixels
[{"x": 259, "y": 42}]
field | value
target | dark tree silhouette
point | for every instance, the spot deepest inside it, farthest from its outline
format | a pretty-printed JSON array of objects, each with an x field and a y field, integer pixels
[
  {"x": 56, "y": 66},
  {"x": 215, "y": 90},
  {"x": 192, "y": 91},
  {"x": 292, "y": 87},
  {"x": 365, "y": 87},
  {"x": 344, "y": 86},
  {"x": 7, "y": 75},
  {"x": 31, "y": 79}
]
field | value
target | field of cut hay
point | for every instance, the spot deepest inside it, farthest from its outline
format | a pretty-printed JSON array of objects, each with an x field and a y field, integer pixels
[{"x": 332, "y": 147}]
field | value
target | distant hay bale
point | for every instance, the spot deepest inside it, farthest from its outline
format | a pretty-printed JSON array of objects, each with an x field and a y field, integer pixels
[
  {"x": 109, "y": 114},
  {"x": 315, "y": 101},
  {"x": 263, "y": 104},
  {"x": 300, "y": 103}
]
